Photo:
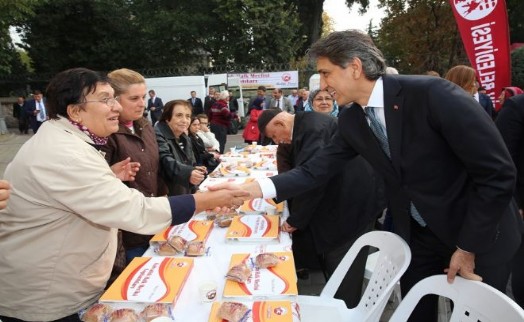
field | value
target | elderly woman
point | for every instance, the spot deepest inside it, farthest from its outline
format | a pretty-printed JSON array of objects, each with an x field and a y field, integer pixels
[
  {"x": 134, "y": 139},
  {"x": 321, "y": 101},
  {"x": 220, "y": 118},
  {"x": 58, "y": 232},
  {"x": 177, "y": 161}
]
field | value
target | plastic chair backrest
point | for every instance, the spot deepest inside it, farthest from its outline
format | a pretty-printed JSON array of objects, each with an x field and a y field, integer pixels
[
  {"x": 473, "y": 301},
  {"x": 393, "y": 260}
]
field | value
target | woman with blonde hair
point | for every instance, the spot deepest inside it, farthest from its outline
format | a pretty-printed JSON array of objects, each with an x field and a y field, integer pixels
[
  {"x": 464, "y": 76},
  {"x": 60, "y": 224},
  {"x": 134, "y": 139}
]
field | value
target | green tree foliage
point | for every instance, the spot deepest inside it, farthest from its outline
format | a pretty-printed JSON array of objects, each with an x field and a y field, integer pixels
[
  {"x": 108, "y": 34},
  {"x": 517, "y": 67},
  {"x": 255, "y": 32},
  {"x": 430, "y": 39},
  {"x": 11, "y": 11},
  {"x": 516, "y": 20},
  {"x": 97, "y": 34}
]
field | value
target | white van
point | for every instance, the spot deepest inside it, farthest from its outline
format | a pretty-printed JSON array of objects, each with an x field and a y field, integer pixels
[{"x": 179, "y": 87}]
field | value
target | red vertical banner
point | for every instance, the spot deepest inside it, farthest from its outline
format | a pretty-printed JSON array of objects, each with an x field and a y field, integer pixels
[{"x": 483, "y": 26}]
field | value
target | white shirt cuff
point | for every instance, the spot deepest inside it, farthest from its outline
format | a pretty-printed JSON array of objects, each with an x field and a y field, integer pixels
[{"x": 268, "y": 188}]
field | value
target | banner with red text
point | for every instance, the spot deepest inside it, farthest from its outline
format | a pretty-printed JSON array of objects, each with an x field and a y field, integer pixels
[
  {"x": 483, "y": 25},
  {"x": 285, "y": 79}
]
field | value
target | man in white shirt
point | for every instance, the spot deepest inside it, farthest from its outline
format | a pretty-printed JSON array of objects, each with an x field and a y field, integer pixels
[
  {"x": 35, "y": 109},
  {"x": 449, "y": 196},
  {"x": 280, "y": 102}
]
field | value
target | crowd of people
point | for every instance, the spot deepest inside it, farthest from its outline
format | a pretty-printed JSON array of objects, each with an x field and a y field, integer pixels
[{"x": 432, "y": 153}]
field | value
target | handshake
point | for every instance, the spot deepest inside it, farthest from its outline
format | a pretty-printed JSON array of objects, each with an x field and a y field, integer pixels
[{"x": 224, "y": 196}]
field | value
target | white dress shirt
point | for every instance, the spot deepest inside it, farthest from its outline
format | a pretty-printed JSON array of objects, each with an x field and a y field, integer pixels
[{"x": 376, "y": 99}]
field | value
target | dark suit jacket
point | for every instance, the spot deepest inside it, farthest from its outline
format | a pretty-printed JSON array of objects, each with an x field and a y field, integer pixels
[
  {"x": 30, "y": 107},
  {"x": 336, "y": 211},
  {"x": 208, "y": 102},
  {"x": 447, "y": 157},
  {"x": 487, "y": 104},
  {"x": 198, "y": 107},
  {"x": 158, "y": 104},
  {"x": 510, "y": 122}
]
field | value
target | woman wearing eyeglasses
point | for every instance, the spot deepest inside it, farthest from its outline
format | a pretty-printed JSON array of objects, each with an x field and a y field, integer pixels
[
  {"x": 202, "y": 157},
  {"x": 59, "y": 229},
  {"x": 210, "y": 141},
  {"x": 321, "y": 101}
]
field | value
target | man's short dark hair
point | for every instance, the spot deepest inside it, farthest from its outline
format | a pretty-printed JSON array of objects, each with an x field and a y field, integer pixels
[
  {"x": 262, "y": 88},
  {"x": 265, "y": 118}
]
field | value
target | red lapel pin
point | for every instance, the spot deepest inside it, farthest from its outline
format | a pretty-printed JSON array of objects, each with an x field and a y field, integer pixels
[{"x": 395, "y": 107}]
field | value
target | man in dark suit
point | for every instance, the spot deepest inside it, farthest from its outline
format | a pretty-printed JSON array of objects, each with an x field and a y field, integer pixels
[
  {"x": 327, "y": 220},
  {"x": 209, "y": 100},
  {"x": 485, "y": 101},
  {"x": 196, "y": 104},
  {"x": 449, "y": 177},
  {"x": 510, "y": 122},
  {"x": 36, "y": 111},
  {"x": 20, "y": 114},
  {"x": 154, "y": 106}
]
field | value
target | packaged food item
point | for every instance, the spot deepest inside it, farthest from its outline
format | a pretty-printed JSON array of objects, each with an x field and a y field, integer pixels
[
  {"x": 178, "y": 243},
  {"x": 124, "y": 315},
  {"x": 239, "y": 273},
  {"x": 195, "y": 248},
  {"x": 165, "y": 249},
  {"x": 233, "y": 311},
  {"x": 266, "y": 260},
  {"x": 156, "y": 310},
  {"x": 96, "y": 313},
  {"x": 224, "y": 221}
]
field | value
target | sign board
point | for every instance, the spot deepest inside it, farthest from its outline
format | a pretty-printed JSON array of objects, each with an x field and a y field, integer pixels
[{"x": 286, "y": 79}]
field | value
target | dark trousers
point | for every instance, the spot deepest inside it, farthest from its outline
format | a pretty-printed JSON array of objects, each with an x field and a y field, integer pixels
[
  {"x": 155, "y": 116},
  {"x": 220, "y": 132},
  {"x": 35, "y": 125},
  {"x": 23, "y": 124},
  {"x": 350, "y": 290},
  {"x": 517, "y": 275},
  {"x": 71, "y": 318},
  {"x": 429, "y": 256}
]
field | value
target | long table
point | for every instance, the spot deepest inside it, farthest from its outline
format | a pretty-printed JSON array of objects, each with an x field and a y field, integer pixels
[{"x": 214, "y": 266}]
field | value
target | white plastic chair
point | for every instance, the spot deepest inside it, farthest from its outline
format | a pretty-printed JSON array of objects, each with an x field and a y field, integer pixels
[
  {"x": 393, "y": 260},
  {"x": 473, "y": 301}
]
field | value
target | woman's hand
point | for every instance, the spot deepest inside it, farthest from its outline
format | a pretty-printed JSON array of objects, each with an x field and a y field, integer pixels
[
  {"x": 198, "y": 175},
  {"x": 230, "y": 196},
  {"x": 5, "y": 191},
  {"x": 126, "y": 170}
]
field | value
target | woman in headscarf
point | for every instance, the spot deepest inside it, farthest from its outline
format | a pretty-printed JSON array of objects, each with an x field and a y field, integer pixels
[
  {"x": 321, "y": 101},
  {"x": 251, "y": 133}
]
